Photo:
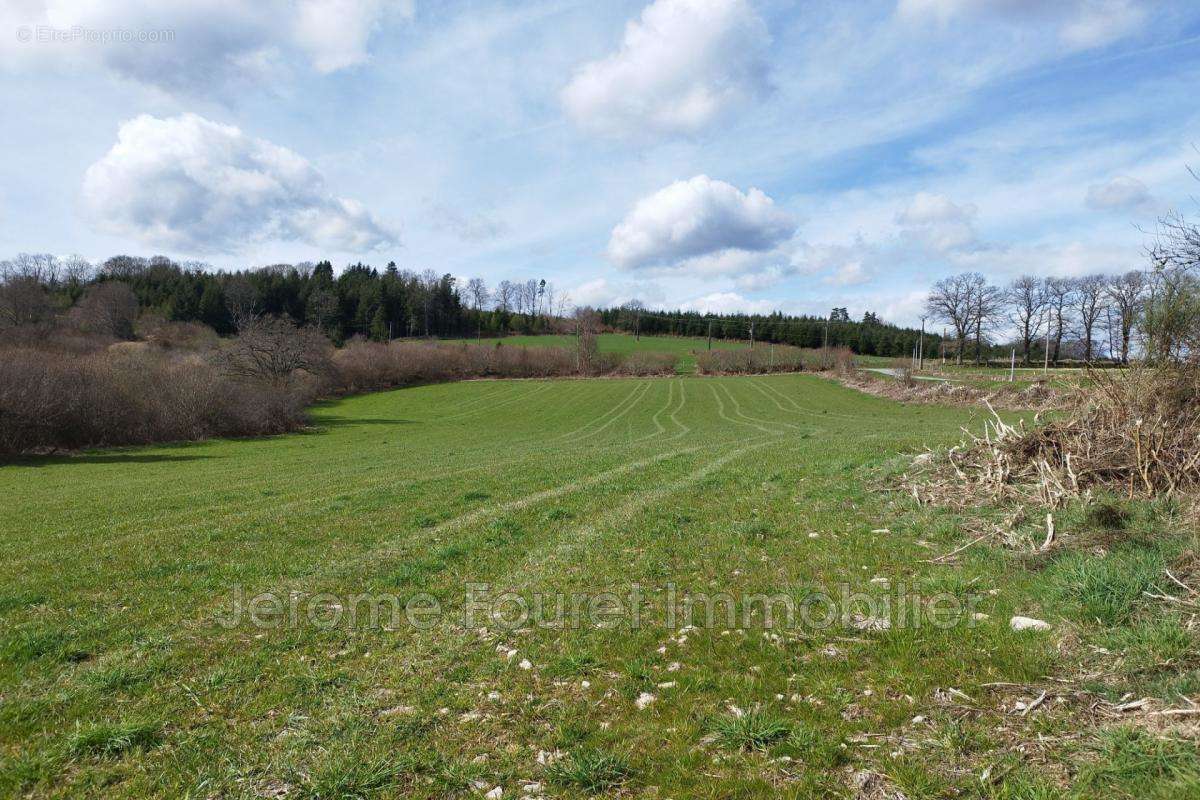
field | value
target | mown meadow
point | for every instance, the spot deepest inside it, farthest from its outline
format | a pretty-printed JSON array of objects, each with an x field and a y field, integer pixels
[{"x": 124, "y": 671}]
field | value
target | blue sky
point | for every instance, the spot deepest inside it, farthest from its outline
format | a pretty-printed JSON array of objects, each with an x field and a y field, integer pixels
[{"x": 713, "y": 154}]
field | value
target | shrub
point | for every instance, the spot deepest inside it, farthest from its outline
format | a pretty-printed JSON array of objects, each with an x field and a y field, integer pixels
[
  {"x": 131, "y": 394},
  {"x": 766, "y": 358}
]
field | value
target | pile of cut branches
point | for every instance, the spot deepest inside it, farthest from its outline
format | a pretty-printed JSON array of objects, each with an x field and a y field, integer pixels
[{"x": 1136, "y": 431}]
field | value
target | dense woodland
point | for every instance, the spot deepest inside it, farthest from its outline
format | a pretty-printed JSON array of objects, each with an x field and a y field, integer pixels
[{"x": 362, "y": 301}]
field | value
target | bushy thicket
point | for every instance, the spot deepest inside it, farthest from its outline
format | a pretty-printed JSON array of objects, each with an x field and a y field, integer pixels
[
  {"x": 766, "y": 359},
  {"x": 363, "y": 366},
  {"x": 132, "y": 393},
  {"x": 64, "y": 390}
]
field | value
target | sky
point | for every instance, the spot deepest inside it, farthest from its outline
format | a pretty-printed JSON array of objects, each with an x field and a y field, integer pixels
[{"x": 717, "y": 155}]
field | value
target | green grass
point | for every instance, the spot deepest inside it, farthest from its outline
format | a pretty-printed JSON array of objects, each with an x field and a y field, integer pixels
[
  {"x": 683, "y": 346},
  {"x": 120, "y": 679}
]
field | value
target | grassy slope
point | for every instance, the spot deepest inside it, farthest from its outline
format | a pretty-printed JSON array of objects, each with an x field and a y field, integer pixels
[
  {"x": 683, "y": 346},
  {"x": 115, "y": 682}
]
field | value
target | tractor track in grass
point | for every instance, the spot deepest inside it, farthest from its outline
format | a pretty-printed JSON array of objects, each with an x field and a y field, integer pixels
[
  {"x": 304, "y": 497},
  {"x": 578, "y": 433}
]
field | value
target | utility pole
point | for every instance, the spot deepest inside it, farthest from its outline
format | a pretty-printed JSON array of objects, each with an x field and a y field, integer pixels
[
  {"x": 637, "y": 327},
  {"x": 1012, "y": 366},
  {"x": 921, "y": 347},
  {"x": 1046, "y": 366},
  {"x": 751, "y": 334},
  {"x": 710, "y": 334},
  {"x": 943, "y": 347},
  {"x": 825, "y": 346}
]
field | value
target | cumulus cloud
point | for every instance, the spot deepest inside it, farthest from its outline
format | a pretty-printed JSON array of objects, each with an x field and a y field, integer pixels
[
  {"x": 1122, "y": 193},
  {"x": 603, "y": 293},
  {"x": 189, "y": 184},
  {"x": 936, "y": 222},
  {"x": 681, "y": 65},
  {"x": 727, "y": 303},
  {"x": 1079, "y": 24},
  {"x": 197, "y": 45},
  {"x": 701, "y": 225}
]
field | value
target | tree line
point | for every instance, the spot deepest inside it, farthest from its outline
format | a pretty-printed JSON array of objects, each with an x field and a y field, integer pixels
[
  {"x": 869, "y": 336},
  {"x": 362, "y": 301}
]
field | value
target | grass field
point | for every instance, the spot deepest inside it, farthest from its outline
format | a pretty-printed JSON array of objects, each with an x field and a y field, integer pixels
[
  {"x": 118, "y": 678},
  {"x": 682, "y": 346}
]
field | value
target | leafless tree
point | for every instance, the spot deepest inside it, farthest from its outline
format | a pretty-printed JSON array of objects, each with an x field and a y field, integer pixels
[
  {"x": 23, "y": 301},
  {"x": 952, "y": 301},
  {"x": 478, "y": 292},
  {"x": 40, "y": 267},
  {"x": 1059, "y": 293},
  {"x": 109, "y": 308},
  {"x": 1089, "y": 297},
  {"x": 987, "y": 304},
  {"x": 241, "y": 299},
  {"x": 76, "y": 270},
  {"x": 273, "y": 350},
  {"x": 124, "y": 267},
  {"x": 506, "y": 296},
  {"x": 1026, "y": 298},
  {"x": 529, "y": 292},
  {"x": 1127, "y": 293},
  {"x": 587, "y": 329}
]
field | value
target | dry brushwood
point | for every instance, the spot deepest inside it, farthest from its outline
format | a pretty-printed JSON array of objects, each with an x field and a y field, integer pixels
[{"x": 1136, "y": 431}]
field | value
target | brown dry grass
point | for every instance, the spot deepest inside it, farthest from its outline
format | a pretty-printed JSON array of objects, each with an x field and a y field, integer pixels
[{"x": 1136, "y": 431}]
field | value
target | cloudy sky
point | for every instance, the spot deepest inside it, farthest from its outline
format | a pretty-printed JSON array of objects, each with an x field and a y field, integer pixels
[{"x": 713, "y": 154}]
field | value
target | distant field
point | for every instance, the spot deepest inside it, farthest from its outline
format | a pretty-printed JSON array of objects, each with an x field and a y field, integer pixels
[
  {"x": 682, "y": 346},
  {"x": 116, "y": 680}
]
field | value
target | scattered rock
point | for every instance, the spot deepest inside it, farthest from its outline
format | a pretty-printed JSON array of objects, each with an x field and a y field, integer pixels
[
  {"x": 1028, "y": 624},
  {"x": 495, "y": 794},
  {"x": 644, "y": 699}
]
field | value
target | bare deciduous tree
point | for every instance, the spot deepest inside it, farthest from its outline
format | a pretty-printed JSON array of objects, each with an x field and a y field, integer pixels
[
  {"x": 1059, "y": 293},
  {"x": 1026, "y": 299},
  {"x": 952, "y": 301},
  {"x": 1127, "y": 293},
  {"x": 1088, "y": 294},
  {"x": 273, "y": 349},
  {"x": 109, "y": 308},
  {"x": 986, "y": 305},
  {"x": 23, "y": 301},
  {"x": 241, "y": 299},
  {"x": 506, "y": 296}
]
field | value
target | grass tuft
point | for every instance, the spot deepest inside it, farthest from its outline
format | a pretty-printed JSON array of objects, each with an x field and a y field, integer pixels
[
  {"x": 1108, "y": 589},
  {"x": 590, "y": 770},
  {"x": 751, "y": 730},
  {"x": 347, "y": 777},
  {"x": 112, "y": 739}
]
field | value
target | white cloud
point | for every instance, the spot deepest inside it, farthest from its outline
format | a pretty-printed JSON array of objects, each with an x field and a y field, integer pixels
[
  {"x": 1079, "y": 24},
  {"x": 727, "y": 303},
  {"x": 701, "y": 225},
  {"x": 603, "y": 293},
  {"x": 199, "y": 46},
  {"x": 1122, "y": 193},
  {"x": 936, "y": 222},
  {"x": 192, "y": 185},
  {"x": 682, "y": 65},
  {"x": 852, "y": 273}
]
